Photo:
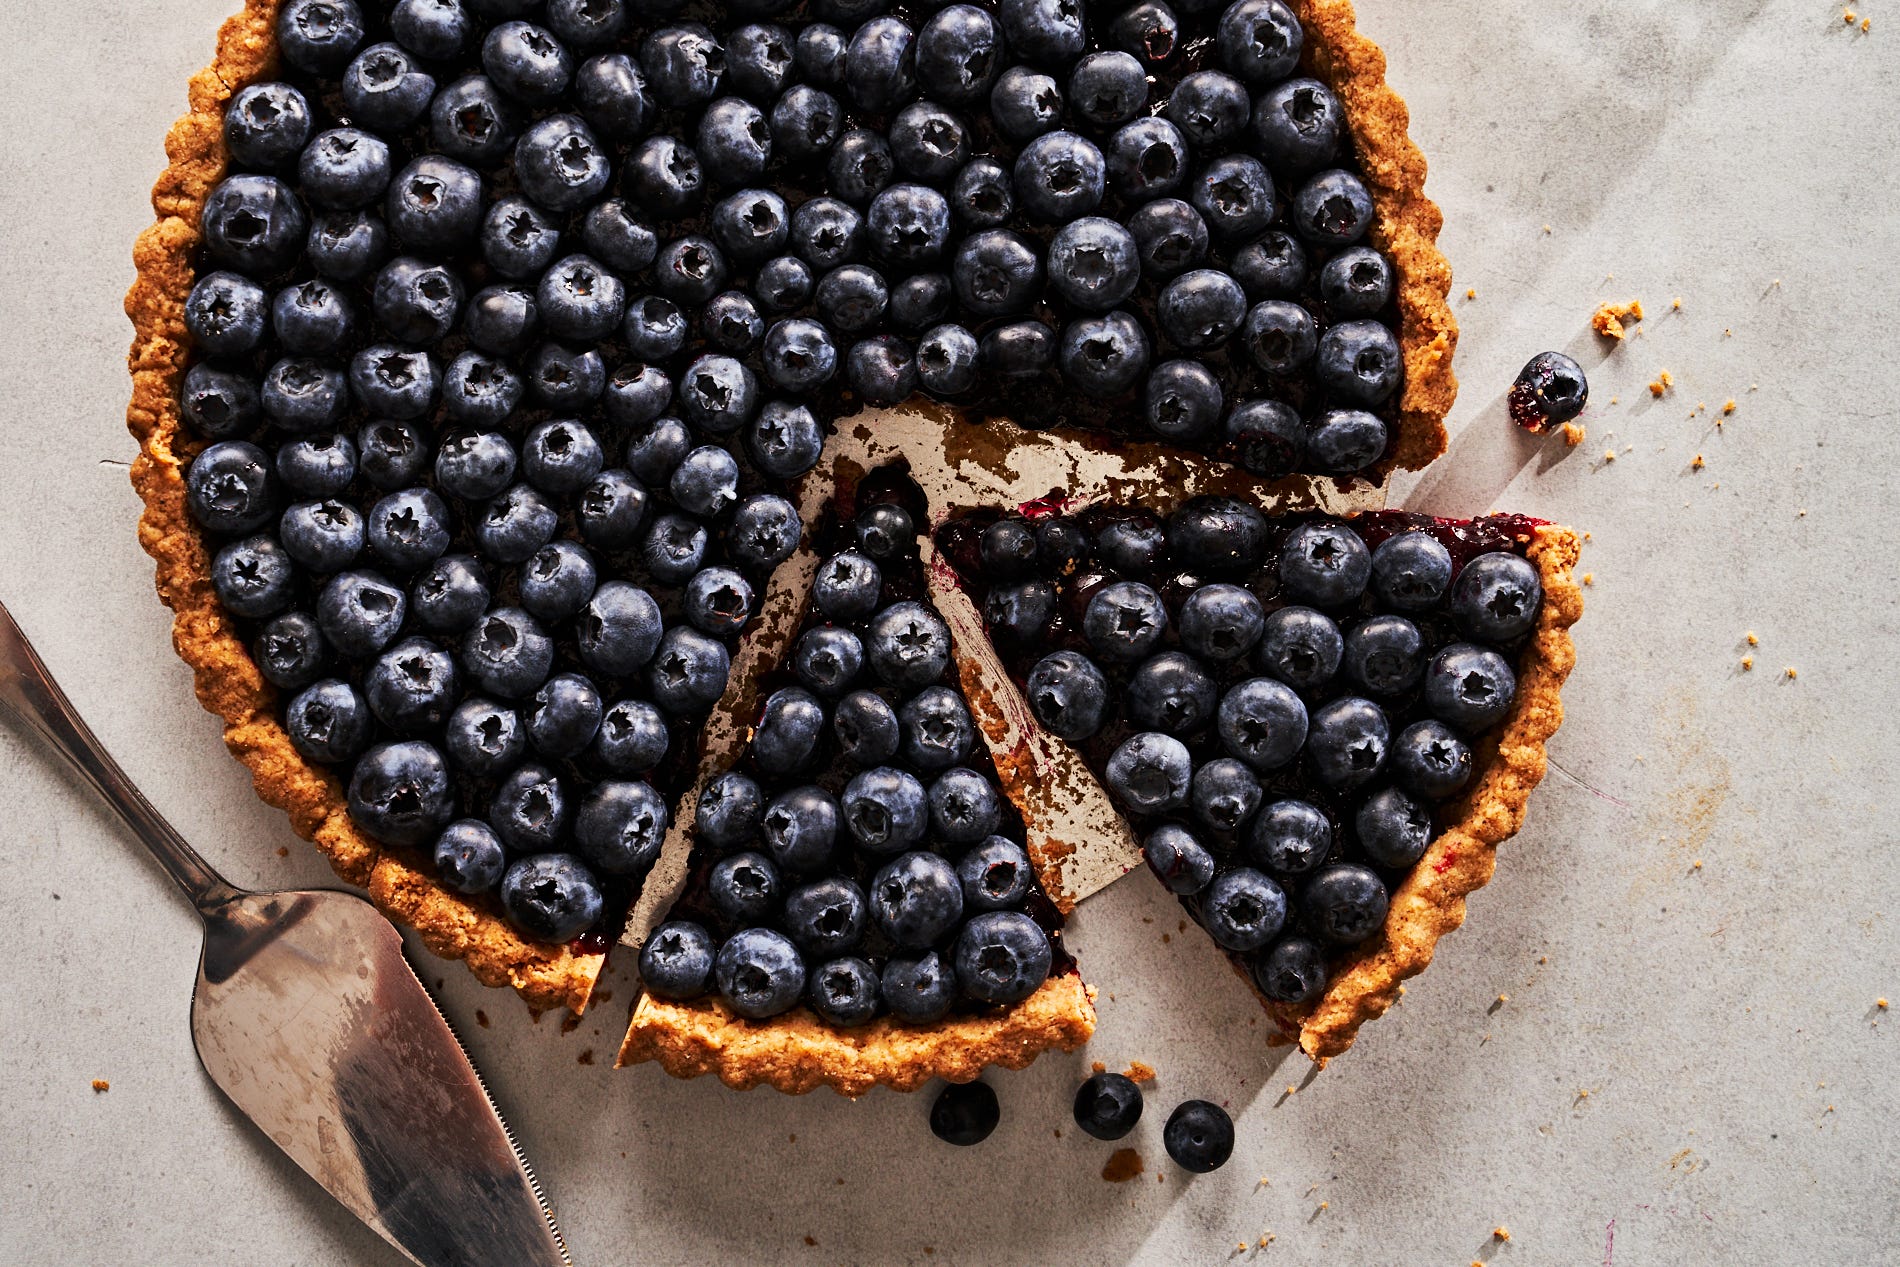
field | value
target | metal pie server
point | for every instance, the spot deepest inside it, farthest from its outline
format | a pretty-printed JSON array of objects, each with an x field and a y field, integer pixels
[{"x": 310, "y": 1019}]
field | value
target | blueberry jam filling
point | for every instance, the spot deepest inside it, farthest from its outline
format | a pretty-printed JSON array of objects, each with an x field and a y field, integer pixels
[
  {"x": 861, "y": 857},
  {"x": 1283, "y": 709}
]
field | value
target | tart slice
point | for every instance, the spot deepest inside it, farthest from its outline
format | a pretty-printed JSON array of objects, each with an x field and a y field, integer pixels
[{"x": 850, "y": 902}]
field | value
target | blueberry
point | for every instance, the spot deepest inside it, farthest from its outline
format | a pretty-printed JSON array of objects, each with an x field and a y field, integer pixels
[
  {"x": 663, "y": 175},
  {"x": 947, "y": 360},
  {"x": 1211, "y": 108},
  {"x": 253, "y": 225},
  {"x": 1217, "y": 534},
  {"x": 783, "y": 283},
  {"x": 1179, "y": 860},
  {"x": 1019, "y": 611},
  {"x": 435, "y": 205},
  {"x": 1243, "y": 910},
  {"x": 328, "y": 722},
  {"x": 474, "y": 465},
  {"x": 674, "y": 548},
  {"x": 1170, "y": 693},
  {"x": 1150, "y": 772},
  {"x": 564, "y": 715},
  {"x": 415, "y": 301},
  {"x": 908, "y": 225},
  {"x": 759, "y": 973},
  {"x": 959, "y": 51},
  {"x": 982, "y": 196},
  {"x": 929, "y": 144},
  {"x": 1045, "y": 32},
  {"x": 227, "y": 314},
  {"x": 1221, "y": 622},
  {"x": 1025, "y": 103},
  {"x": 1200, "y": 310},
  {"x": 820, "y": 54},
  {"x": 759, "y": 60},
  {"x": 385, "y": 88},
  {"x": 860, "y": 166},
  {"x": 1259, "y": 40},
  {"x": 579, "y": 299},
  {"x": 851, "y": 298},
  {"x": 408, "y": 528},
  {"x": 325, "y": 536},
  {"x": 436, "y": 29},
  {"x": 1279, "y": 336},
  {"x": 881, "y": 65},
  {"x": 1262, "y": 722},
  {"x": 885, "y": 533},
  {"x": 690, "y": 270},
  {"x": 1002, "y": 957},
  {"x": 1059, "y": 176},
  {"x": 1469, "y": 687},
  {"x": 706, "y": 482},
  {"x": 843, "y": 992},
  {"x": 400, "y": 793},
  {"x": 1348, "y": 741},
  {"x": 317, "y": 466},
  {"x": 1430, "y": 760},
  {"x": 846, "y": 586},
  {"x": 390, "y": 454},
  {"x": 587, "y": 23},
  {"x": 506, "y": 653},
  {"x": 469, "y": 857},
  {"x": 290, "y": 651},
  {"x": 632, "y": 738},
  {"x": 217, "y": 403},
  {"x": 1496, "y": 597},
  {"x": 731, "y": 323},
  {"x": 484, "y": 738},
  {"x": 1199, "y": 1136},
  {"x": 1124, "y": 621},
  {"x": 1132, "y": 547},
  {"x": 1325, "y": 563},
  {"x": 618, "y": 628},
  {"x": 919, "y": 991},
  {"x": 266, "y": 125},
  {"x": 866, "y": 727},
  {"x": 1235, "y": 195},
  {"x": 565, "y": 378},
  {"x": 1393, "y": 828},
  {"x": 302, "y": 395},
  {"x": 786, "y": 738},
  {"x": 1267, "y": 436},
  {"x": 1170, "y": 237},
  {"x": 1292, "y": 971},
  {"x": 765, "y": 529},
  {"x": 1290, "y": 838},
  {"x": 1021, "y": 349},
  {"x": 826, "y": 233},
  {"x": 684, "y": 65},
  {"x": 527, "y": 62},
  {"x": 1358, "y": 282},
  {"x": 688, "y": 672},
  {"x": 965, "y": 807},
  {"x": 1148, "y": 29},
  {"x": 881, "y": 370},
  {"x": 1103, "y": 356},
  {"x": 995, "y": 273},
  {"x": 500, "y": 319},
  {"x": 909, "y": 645},
  {"x": 360, "y": 613},
  {"x": 514, "y": 526},
  {"x": 471, "y": 121},
  {"x": 311, "y": 317},
  {"x": 1108, "y": 88},
  {"x": 885, "y": 810},
  {"x": 655, "y": 328},
  {"x": 1342, "y": 441},
  {"x": 551, "y": 897},
  {"x": 561, "y": 456},
  {"x": 254, "y": 577},
  {"x": 799, "y": 829},
  {"x": 995, "y": 875},
  {"x": 411, "y": 687},
  {"x": 937, "y": 728},
  {"x": 677, "y": 960},
  {"x": 1549, "y": 389},
  {"x": 734, "y": 141},
  {"x": 1299, "y": 124},
  {"x": 1063, "y": 545},
  {"x": 1345, "y": 904},
  {"x": 729, "y": 811},
  {"x": 717, "y": 601},
  {"x": 1332, "y": 209},
  {"x": 964, "y": 1114},
  {"x": 1274, "y": 266},
  {"x": 637, "y": 395},
  {"x": 620, "y": 827},
  {"x": 916, "y": 899},
  {"x": 1360, "y": 362},
  {"x": 529, "y": 810},
  {"x": 1108, "y": 1105},
  {"x": 827, "y": 659},
  {"x": 1068, "y": 695},
  {"x": 1182, "y": 399},
  {"x": 1225, "y": 794},
  {"x": 1093, "y": 263},
  {"x": 319, "y": 36},
  {"x": 1386, "y": 655},
  {"x": 826, "y": 918},
  {"x": 656, "y": 448}
]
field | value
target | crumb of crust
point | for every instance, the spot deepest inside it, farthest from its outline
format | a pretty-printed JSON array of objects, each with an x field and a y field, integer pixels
[
  {"x": 283, "y": 851},
  {"x": 1589, "y": 578},
  {"x": 1471, "y": 293},
  {"x": 1697, "y": 463},
  {"x": 1866, "y": 25},
  {"x": 809, "y": 1240},
  {"x": 1610, "y": 318},
  {"x": 1675, "y": 305},
  {"x": 1098, "y": 1067},
  {"x": 1790, "y": 671},
  {"x": 1122, "y": 1165},
  {"x": 1500, "y": 1233},
  {"x": 1696, "y": 865},
  {"x": 1609, "y": 455},
  {"x": 1748, "y": 662},
  {"x": 1728, "y": 406},
  {"x": 1753, "y": 641},
  {"x": 1266, "y": 1239},
  {"x": 1166, "y": 939},
  {"x": 1664, "y": 381},
  {"x": 586, "y": 1057},
  {"x": 481, "y": 1018},
  {"x": 100, "y": 1084},
  {"x": 1547, "y": 228},
  {"x": 1881, "y": 1004},
  {"x": 1139, "y": 1071},
  {"x": 1849, "y": 16},
  {"x": 1573, "y": 434},
  {"x": 1290, "y": 1090}
]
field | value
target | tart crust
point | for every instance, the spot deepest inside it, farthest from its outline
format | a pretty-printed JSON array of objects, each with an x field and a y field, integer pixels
[
  {"x": 226, "y": 679},
  {"x": 797, "y": 1052}
]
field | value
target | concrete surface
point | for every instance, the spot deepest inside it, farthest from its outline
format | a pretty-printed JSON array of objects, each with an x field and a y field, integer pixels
[{"x": 1741, "y": 1084}]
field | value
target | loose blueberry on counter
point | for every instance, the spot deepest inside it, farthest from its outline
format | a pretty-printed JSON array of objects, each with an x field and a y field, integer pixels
[
  {"x": 1108, "y": 1105},
  {"x": 965, "y": 1113},
  {"x": 1199, "y": 1136},
  {"x": 1549, "y": 390}
]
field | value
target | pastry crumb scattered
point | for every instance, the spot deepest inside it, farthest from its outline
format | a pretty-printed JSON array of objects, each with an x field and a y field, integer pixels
[
  {"x": 1573, "y": 434},
  {"x": 811, "y": 1240},
  {"x": 283, "y": 851},
  {"x": 1697, "y": 464},
  {"x": 481, "y": 1018},
  {"x": 1097, "y": 1067},
  {"x": 1500, "y": 1233},
  {"x": 1866, "y": 25},
  {"x": 1589, "y": 578},
  {"x": 1609, "y": 455},
  {"x": 586, "y": 1057},
  {"x": 100, "y": 1084},
  {"x": 1610, "y": 319},
  {"x": 1790, "y": 671},
  {"x": 1696, "y": 865},
  {"x": 1139, "y": 1071},
  {"x": 1881, "y": 1004},
  {"x": 1675, "y": 305},
  {"x": 1122, "y": 1165},
  {"x": 1748, "y": 662},
  {"x": 1663, "y": 382},
  {"x": 1471, "y": 293},
  {"x": 1728, "y": 406},
  {"x": 1753, "y": 641}
]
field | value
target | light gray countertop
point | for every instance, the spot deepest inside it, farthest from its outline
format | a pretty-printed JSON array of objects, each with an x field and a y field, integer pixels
[{"x": 1741, "y": 1085}]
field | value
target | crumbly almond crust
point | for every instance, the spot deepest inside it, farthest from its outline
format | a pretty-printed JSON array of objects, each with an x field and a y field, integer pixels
[
  {"x": 1406, "y": 227},
  {"x": 797, "y": 1052},
  {"x": 1460, "y": 860},
  {"x": 227, "y": 681}
]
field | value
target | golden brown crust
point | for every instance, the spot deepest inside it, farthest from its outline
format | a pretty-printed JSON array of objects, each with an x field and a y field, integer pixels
[
  {"x": 227, "y": 681},
  {"x": 1431, "y": 901},
  {"x": 1406, "y": 228},
  {"x": 797, "y": 1052}
]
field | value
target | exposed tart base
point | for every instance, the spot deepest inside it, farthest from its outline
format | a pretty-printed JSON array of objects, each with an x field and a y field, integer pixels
[
  {"x": 797, "y": 1052},
  {"x": 1460, "y": 859},
  {"x": 227, "y": 681}
]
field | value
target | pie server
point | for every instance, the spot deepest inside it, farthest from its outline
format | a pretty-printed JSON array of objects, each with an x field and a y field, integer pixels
[{"x": 309, "y": 1018}]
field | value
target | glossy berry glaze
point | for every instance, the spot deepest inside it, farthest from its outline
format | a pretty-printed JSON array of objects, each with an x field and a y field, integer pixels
[
  {"x": 831, "y": 767},
  {"x": 1296, "y": 777}
]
